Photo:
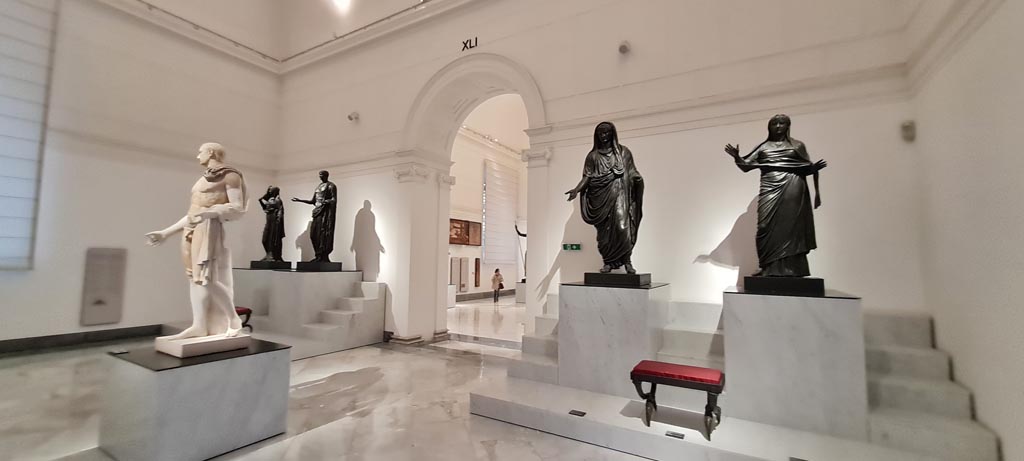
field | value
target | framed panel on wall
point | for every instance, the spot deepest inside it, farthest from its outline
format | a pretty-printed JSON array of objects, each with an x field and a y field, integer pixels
[{"x": 462, "y": 232}]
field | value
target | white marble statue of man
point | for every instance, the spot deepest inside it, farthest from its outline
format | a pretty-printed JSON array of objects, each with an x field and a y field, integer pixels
[{"x": 218, "y": 196}]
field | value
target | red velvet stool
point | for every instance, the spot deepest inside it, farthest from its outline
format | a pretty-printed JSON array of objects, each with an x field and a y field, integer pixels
[
  {"x": 702, "y": 379},
  {"x": 244, "y": 311}
]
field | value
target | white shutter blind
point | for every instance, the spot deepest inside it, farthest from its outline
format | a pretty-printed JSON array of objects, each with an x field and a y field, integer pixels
[
  {"x": 501, "y": 194},
  {"x": 24, "y": 77}
]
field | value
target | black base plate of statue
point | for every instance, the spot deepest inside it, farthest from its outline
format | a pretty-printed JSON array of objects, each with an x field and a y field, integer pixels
[
  {"x": 784, "y": 286},
  {"x": 270, "y": 265},
  {"x": 613, "y": 279},
  {"x": 317, "y": 266}
]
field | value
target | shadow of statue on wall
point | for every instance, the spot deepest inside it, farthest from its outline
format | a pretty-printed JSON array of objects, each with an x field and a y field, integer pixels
[
  {"x": 572, "y": 264},
  {"x": 305, "y": 245},
  {"x": 366, "y": 243},
  {"x": 738, "y": 250}
]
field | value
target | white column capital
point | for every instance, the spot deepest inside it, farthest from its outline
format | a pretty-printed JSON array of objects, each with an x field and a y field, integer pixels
[
  {"x": 445, "y": 180},
  {"x": 411, "y": 172},
  {"x": 537, "y": 157}
]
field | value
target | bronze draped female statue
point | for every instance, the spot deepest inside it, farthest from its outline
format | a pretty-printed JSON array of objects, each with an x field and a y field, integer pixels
[
  {"x": 612, "y": 193},
  {"x": 785, "y": 222}
]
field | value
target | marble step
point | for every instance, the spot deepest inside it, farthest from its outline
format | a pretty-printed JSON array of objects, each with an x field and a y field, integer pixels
[
  {"x": 546, "y": 324},
  {"x": 350, "y": 304},
  {"x": 545, "y": 345},
  {"x": 908, "y": 361},
  {"x": 941, "y": 437},
  {"x": 885, "y": 328},
  {"x": 321, "y": 331},
  {"x": 695, "y": 343},
  {"x": 684, "y": 358},
  {"x": 534, "y": 368},
  {"x": 695, "y": 316},
  {"x": 337, "y": 317},
  {"x": 944, "y": 398}
]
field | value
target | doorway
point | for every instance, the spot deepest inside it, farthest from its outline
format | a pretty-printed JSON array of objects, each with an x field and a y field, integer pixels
[{"x": 487, "y": 213}]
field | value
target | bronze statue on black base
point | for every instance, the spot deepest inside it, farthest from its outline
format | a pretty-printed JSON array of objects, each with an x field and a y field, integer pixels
[
  {"x": 785, "y": 222},
  {"x": 325, "y": 205},
  {"x": 273, "y": 230},
  {"x": 611, "y": 198}
]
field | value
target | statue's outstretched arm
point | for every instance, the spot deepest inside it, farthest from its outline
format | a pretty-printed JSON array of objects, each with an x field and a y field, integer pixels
[{"x": 746, "y": 163}]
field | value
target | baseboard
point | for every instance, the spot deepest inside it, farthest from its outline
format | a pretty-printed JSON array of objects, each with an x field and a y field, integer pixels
[
  {"x": 460, "y": 297},
  {"x": 76, "y": 339}
]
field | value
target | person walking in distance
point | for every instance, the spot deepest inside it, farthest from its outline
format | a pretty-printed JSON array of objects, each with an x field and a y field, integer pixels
[{"x": 497, "y": 283}]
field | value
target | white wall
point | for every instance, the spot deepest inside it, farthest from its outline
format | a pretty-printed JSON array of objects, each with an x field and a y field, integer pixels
[
  {"x": 130, "y": 104},
  {"x": 579, "y": 70},
  {"x": 697, "y": 200},
  {"x": 969, "y": 117}
]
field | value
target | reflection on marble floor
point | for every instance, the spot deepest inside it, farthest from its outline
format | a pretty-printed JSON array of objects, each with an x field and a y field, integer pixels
[
  {"x": 504, "y": 320},
  {"x": 377, "y": 402}
]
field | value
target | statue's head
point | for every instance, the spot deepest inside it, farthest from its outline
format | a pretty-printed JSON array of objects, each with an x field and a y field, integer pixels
[
  {"x": 778, "y": 128},
  {"x": 605, "y": 135},
  {"x": 210, "y": 151},
  {"x": 273, "y": 191},
  {"x": 324, "y": 175}
]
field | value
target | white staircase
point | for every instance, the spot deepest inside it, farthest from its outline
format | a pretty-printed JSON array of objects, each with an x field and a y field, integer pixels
[
  {"x": 914, "y": 403},
  {"x": 316, "y": 313}
]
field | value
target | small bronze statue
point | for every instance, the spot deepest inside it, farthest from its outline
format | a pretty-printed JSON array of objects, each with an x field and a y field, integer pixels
[
  {"x": 273, "y": 230},
  {"x": 611, "y": 198},
  {"x": 785, "y": 222},
  {"x": 325, "y": 205}
]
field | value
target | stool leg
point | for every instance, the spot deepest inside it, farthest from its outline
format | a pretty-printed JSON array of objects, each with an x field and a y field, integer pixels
[{"x": 712, "y": 414}]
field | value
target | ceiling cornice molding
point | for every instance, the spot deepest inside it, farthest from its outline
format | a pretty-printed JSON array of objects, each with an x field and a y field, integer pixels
[
  {"x": 489, "y": 143},
  {"x": 196, "y": 32},
  {"x": 408, "y": 17},
  {"x": 958, "y": 25},
  {"x": 424, "y": 11}
]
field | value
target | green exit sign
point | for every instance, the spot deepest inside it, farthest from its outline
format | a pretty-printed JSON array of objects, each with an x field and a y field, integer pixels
[{"x": 571, "y": 247}]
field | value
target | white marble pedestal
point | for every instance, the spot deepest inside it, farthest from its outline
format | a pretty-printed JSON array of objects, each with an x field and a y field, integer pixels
[
  {"x": 158, "y": 407},
  {"x": 796, "y": 362},
  {"x": 603, "y": 332}
]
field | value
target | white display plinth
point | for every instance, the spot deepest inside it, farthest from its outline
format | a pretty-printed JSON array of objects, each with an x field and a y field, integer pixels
[
  {"x": 191, "y": 347},
  {"x": 157, "y": 407},
  {"x": 604, "y": 332},
  {"x": 451, "y": 296},
  {"x": 796, "y": 362},
  {"x": 521, "y": 292}
]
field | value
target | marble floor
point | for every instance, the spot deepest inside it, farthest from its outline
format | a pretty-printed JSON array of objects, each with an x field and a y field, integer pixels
[
  {"x": 483, "y": 318},
  {"x": 377, "y": 402}
]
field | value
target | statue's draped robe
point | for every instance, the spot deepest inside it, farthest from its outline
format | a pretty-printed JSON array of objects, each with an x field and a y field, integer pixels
[
  {"x": 324, "y": 210},
  {"x": 785, "y": 221},
  {"x": 203, "y": 242},
  {"x": 273, "y": 230},
  {"x": 612, "y": 202}
]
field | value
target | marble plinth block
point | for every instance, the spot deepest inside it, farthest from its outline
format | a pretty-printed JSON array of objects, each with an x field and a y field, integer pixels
[
  {"x": 604, "y": 332},
  {"x": 191, "y": 347},
  {"x": 157, "y": 407},
  {"x": 521, "y": 292},
  {"x": 797, "y": 362}
]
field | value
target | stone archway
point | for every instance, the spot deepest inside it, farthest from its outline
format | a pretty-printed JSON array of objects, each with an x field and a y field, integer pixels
[
  {"x": 427, "y": 139},
  {"x": 455, "y": 90}
]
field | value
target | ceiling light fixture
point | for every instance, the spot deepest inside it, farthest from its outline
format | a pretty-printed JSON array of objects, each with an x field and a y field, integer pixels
[{"x": 342, "y": 5}]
